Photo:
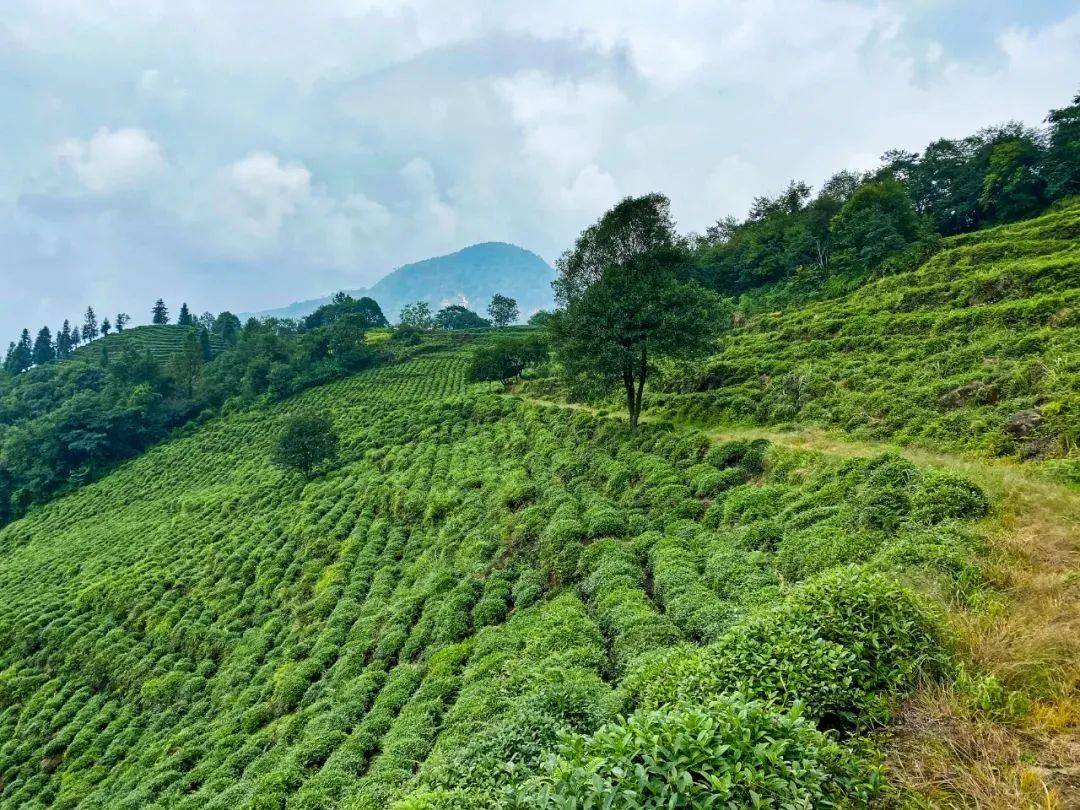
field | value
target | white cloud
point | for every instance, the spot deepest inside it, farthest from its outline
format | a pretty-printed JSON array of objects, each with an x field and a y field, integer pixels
[
  {"x": 112, "y": 160},
  {"x": 259, "y": 192}
]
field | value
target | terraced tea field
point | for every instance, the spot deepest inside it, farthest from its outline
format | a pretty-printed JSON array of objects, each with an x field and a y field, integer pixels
[
  {"x": 476, "y": 576},
  {"x": 161, "y": 341}
]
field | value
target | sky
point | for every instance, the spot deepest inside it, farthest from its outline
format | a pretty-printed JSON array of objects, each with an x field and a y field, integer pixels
[{"x": 243, "y": 154}]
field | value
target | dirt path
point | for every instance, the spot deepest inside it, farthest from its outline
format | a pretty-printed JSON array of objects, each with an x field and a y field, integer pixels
[{"x": 1029, "y": 640}]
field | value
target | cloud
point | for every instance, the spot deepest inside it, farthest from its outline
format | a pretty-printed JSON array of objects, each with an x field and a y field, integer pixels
[
  {"x": 258, "y": 193},
  {"x": 359, "y": 135},
  {"x": 112, "y": 160}
]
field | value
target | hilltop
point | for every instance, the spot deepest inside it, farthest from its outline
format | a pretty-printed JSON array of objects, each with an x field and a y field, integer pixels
[{"x": 469, "y": 277}]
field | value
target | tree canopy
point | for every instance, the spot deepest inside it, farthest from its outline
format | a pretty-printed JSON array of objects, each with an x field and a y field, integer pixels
[
  {"x": 503, "y": 310},
  {"x": 307, "y": 441},
  {"x": 456, "y": 316}
]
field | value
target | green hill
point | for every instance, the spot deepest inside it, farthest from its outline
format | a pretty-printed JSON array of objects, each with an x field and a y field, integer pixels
[
  {"x": 161, "y": 341},
  {"x": 476, "y": 575},
  {"x": 469, "y": 277},
  {"x": 977, "y": 350}
]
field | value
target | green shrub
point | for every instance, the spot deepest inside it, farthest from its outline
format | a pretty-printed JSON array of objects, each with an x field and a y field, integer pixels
[
  {"x": 728, "y": 752},
  {"x": 945, "y": 495}
]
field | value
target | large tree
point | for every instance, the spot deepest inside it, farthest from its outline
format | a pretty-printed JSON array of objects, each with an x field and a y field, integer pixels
[
  {"x": 641, "y": 305},
  {"x": 635, "y": 226},
  {"x": 875, "y": 223},
  {"x": 503, "y": 310},
  {"x": 184, "y": 318},
  {"x": 20, "y": 356}
]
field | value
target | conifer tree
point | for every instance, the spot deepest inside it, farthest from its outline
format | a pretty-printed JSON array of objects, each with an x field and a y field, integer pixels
[
  {"x": 20, "y": 355},
  {"x": 106, "y": 327},
  {"x": 76, "y": 338},
  {"x": 159, "y": 314},
  {"x": 63, "y": 341},
  {"x": 90, "y": 325},
  {"x": 184, "y": 318},
  {"x": 121, "y": 321},
  {"x": 44, "y": 351}
]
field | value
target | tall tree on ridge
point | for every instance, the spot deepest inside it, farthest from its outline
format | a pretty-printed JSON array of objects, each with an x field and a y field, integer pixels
[
  {"x": 159, "y": 314},
  {"x": 502, "y": 309},
  {"x": 44, "y": 351},
  {"x": 184, "y": 318},
  {"x": 90, "y": 325},
  {"x": 122, "y": 319}
]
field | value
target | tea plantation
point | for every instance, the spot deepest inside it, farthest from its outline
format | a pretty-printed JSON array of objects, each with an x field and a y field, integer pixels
[
  {"x": 977, "y": 350},
  {"x": 483, "y": 602}
]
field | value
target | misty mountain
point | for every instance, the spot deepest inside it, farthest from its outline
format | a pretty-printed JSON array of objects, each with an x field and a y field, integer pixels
[{"x": 468, "y": 277}]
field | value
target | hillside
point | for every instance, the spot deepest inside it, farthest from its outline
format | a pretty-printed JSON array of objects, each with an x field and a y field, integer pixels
[
  {"x": 160, "y": 341},
  {"x": 469, "y": 277},
  {"x": 976, "y": 350},
  {"x": 197, "y": 630}
]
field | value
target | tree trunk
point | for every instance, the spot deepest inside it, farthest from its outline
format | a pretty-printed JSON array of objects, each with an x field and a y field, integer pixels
[
  {"x": 634, "y": 396},
  {"x": 628, "y": 384}
]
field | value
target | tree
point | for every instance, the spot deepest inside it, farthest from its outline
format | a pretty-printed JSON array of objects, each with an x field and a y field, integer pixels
[
  {"x": 204, "y": 345},
  {"x": 206, "y": 321},
  {"x": 506, "y": 358},
  {"x": 122, "y": 319},
  {"x": 1062, "y": 160},
  {"x": 20, "y": 356},
  {"x": 307, "y": 441},
  {"x": 159, "y": 314},
  {"x": 106, "y": 327},
  {"x": 346, "y": 343},
  {"x": 90, "y": 326},
  {"x": 640, "y": 308},
  {"x": 875, "y": 223},
  {"x": 76, "y": 337},
  {"x": 186, "y": 364},
  {"x": 1013, "y": 187},
  {"x": 226, "y": 328},
  {"x": 503, "y": 310},
  {"x": 539, "y": 318},
  {"x": 456, "y": 316},
  {"x": 416, "y": 314},
  {"x": 184, "y": 318},
  {"x": 342, "y": 304},
  {"x": 635, "y": 226},
  {"x": 63, "y": 341},
  {"x": 43, "y": 351}
]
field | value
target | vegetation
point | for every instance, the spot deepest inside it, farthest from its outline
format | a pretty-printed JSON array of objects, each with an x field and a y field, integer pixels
[
  {"x": 474, "y": 579},
  {"x": 471, "y": 599}
]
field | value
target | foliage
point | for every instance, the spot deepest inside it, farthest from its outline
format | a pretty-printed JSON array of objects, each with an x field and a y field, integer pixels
[
  {"x": 506, "y": 357},
  {"x": 502, "y": 310},
  {"x": 456, "y": 316},
  {"x": 306, "y": 442},
  {"x": 416, "y": 315},
  {"x": 727, "y": 752}
]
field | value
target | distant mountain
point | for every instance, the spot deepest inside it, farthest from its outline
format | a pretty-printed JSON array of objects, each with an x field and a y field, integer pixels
[{"x": 468, "y": 277}]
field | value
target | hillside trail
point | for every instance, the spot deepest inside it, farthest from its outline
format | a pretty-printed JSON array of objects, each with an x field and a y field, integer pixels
[{"x": 1030, "y": 641}]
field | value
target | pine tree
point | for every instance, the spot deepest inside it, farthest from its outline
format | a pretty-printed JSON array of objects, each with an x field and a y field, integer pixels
[
  {"x": 63, "y": 341},
  {"x": 204, "y": 345},
  {"x": 76, "y": 338},
  {"x": 184, "y": 318},
  {"x": 121, "y": 321},
  {"x": 44, "y": 351},
  {"x": 106, "y": 327},
  {"x": 90, "y": 327},
  {"x": 9, "y": 358},
  {"x": 159, "y": 314},
  {"x": 20, "y": 355}
]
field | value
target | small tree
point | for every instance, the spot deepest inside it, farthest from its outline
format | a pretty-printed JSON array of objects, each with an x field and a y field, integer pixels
[
  {"x": 416, "y": 314},
  {"x": 506, "y": 358},
  {"x": 875, "y": 223},
  {"x": 306, "y": 442},
  {"x": 63, "y": 341},
  {"x": 159, "y": 315},
  {"x": 20, "y": 355},
  {"x": 90, "y": 326},
  {"x": 503, "y": 310},
  {"x": 122, "y": 319},
  {"x": 106, "y": 326},
  {"x": 186, "y": 365},
  {"x": 184, "y": 318}
]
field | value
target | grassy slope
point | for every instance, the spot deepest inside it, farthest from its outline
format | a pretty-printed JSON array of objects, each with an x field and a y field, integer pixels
[
  {"x": 196, "y": 630},
  {"x": 999, "y": 309}
]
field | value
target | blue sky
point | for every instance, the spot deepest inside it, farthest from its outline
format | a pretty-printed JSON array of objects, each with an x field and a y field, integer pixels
[{"x": 240, "y": 155}]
